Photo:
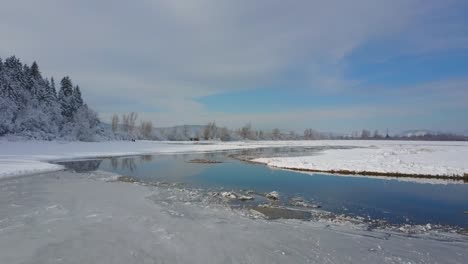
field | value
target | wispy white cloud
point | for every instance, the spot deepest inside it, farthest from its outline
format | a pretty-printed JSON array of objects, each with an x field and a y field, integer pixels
[
  {"x": 406, "y": 107},
  {"x": 167, "y": 53}
]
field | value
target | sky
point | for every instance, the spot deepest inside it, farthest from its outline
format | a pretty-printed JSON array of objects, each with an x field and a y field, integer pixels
[{"x": 330, "y": 65}]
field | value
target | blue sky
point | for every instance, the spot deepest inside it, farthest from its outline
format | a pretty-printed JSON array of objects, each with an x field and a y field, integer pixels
[
  {"x": 331, "y": 65},
  {"x": 379, "y": 83},
  {"x": 392, "y": 74}
]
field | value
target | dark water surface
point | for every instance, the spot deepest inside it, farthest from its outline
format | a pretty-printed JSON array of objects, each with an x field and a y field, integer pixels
[{"x": 395, "y": 201}]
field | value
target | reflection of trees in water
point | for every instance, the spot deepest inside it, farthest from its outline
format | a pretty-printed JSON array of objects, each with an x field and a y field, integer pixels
[
  {"x": 128, "y": 163},
  {"x": 277, "y": 152},
  {"x": 177, "y": 157},
  {"x": 146, "y": 158},
  {"x": 210, "y": 156},
  {"x": 114, "y": 163},
  {"x": 82, "y": 165},
  {"x": 246, "y": 152}
]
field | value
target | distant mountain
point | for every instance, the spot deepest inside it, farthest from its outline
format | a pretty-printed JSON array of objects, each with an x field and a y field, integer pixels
[
  {"x": 434, "y": 135},
  {"x": 417, "y": 133},
  {"x": 183, "y": 132}
]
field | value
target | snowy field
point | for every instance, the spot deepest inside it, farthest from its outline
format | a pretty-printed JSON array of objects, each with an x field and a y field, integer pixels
[
  {"x": 64, "y": 217},
  {"x": 447, "y": 159},
  {"x": 427, "y": 158}
]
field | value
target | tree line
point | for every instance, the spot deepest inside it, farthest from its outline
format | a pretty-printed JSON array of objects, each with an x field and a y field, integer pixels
[
  {"x": 126, "y": 127},
  {"x": 247, "y": 132}
]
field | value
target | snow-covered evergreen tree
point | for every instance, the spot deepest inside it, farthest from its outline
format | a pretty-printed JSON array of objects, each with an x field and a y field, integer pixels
[
  {"x": 77, "y": 99},
  {"x": 8, "y": 109},
  {"x": 35, "y": 73},
  {"x": 51, "y": 90},
  {"x": 30, "y": 106},
  {"x": 84, "y": 126},
  {"x": 65, "y": 98}
]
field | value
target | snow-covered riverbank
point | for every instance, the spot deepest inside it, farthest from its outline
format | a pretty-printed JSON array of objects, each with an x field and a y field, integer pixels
[
  {"x": 65, "y": 217},
  {"x": 429, "y": 158},
  {"x": 449, "y": 159}
]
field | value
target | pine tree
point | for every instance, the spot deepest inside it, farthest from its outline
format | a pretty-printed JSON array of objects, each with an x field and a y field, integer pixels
[
  {"x": 78, "y": 100},
  {"x": 2, "y": 81},
  {"x": 35, "y": 73},
  {"x": 49, "y": 95},
  {"x": 66, "y": 86},
  {"x": 52, "y": 89},
  {"x": 7, "y": 105},
  {"x": 66, "y": 99},
  {"x": 15, "y": 81},
  {"x": 27, "y": 76}
]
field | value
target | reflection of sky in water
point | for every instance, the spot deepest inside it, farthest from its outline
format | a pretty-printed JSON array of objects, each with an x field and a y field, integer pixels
[
  {"x": 154, "y": 168},
  {"x": 167, "y": 167},
  {"x": 388, "y": 199}
]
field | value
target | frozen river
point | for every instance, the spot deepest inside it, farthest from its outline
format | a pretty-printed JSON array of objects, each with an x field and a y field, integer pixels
[
  {"x": 174, "y": 213},
  {"x": 66, "y": 217},
  {"x": 397, "y": 202}
]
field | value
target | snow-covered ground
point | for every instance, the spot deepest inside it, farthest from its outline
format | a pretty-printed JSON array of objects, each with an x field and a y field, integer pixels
[
  {"x": 428, "y": 158},
  {"x": 65, "y": 217},
  {"x": 384, "y": 157}
]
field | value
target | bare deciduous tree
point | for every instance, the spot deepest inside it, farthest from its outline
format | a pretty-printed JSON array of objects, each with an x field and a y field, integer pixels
[
  {"x": 261, "y": 135},
  {"x": 376, "y": 134},
  {"x": 128, "y": 122},
  {"x": 186, "y": 131},
  {"x": 224, "y": 134},
  {"x": 146, "y": 127},
  {"x": 125, "y": 122},
  {"x": 311, "y": 134},
  {"x": 246, "y": 131},
  {"x": 276, "y": 134},
  {"x": 308, "y": 133},
  {"x": 365, "y": 134},
  {"x": 210, "y": 131},
  {"x": 292, "y": 135},
  {"x": 132, "y": 120},
  {"x": 115, "y": 122}
]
